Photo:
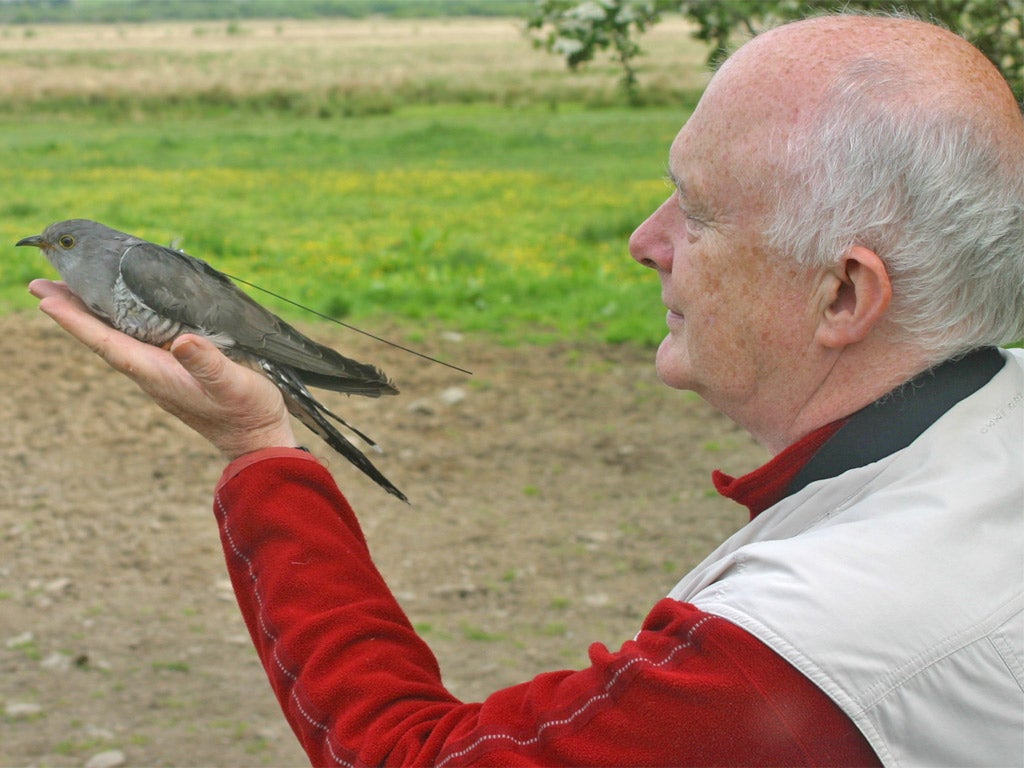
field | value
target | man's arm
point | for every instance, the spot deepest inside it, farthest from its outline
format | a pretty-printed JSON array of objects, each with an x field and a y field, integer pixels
[{"x": 360, "y": 687}]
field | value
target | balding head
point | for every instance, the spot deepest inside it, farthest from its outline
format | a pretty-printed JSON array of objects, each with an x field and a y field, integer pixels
[
  {"x": 797, "y": 64},
  {"x": 893, "y": 134}
]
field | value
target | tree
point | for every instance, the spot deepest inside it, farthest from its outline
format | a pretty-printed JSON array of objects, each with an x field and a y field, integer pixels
[{"x": 577, "y": 29}]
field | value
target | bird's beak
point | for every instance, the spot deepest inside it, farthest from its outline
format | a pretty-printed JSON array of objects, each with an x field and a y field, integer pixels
[{"x": 36, "y": 240}]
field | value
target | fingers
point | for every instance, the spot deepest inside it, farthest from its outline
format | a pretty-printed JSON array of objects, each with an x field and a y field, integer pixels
[
  {"x": 214, "y": 373},
  {"x": 40, "y": 288},
  {"x": 234, "y": 407},
  {"x": 55, "y": 293},
  {"x": 244, "y": 410},
  {"x": 120, "y": 351},
  {"x": 200, "y": 358},
  {"x": 151, "y": 367}
]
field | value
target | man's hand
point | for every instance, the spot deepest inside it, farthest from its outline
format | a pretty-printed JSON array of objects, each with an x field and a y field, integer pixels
[{"x": 235, "y": 408}]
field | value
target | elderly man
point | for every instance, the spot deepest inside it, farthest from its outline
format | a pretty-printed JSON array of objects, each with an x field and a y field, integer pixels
[{"x": 841, "y": 255}]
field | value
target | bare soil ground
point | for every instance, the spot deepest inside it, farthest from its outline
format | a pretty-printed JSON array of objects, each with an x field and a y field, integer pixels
[{"x": 554, "y": 499}]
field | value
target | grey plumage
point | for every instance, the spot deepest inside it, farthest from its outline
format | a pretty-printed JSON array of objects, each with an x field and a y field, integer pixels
[{"x": 156, "y": 294}]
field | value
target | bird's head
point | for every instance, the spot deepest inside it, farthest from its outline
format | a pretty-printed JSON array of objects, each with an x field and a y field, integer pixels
[
  {"x": 70, "y": 244},
  {"x": 86, "y": 254}
]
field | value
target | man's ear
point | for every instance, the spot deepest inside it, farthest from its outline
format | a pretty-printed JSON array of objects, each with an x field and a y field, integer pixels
[{"x": 857, "y": 293}]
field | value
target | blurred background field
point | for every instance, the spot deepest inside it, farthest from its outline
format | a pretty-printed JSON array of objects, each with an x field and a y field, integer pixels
[{"x": 413, "y": 169}]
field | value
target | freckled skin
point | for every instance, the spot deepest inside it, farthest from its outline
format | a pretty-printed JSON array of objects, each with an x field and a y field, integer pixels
[
  {"x": 739, "y": 306},
  {"x": 752, "y": 338}
]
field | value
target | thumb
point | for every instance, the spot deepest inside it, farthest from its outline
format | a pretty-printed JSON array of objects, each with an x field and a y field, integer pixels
[{"x": 201, "y": 358}]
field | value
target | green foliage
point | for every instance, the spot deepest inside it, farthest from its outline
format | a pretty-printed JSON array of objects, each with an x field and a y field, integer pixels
[{"x": 577, "y": 29}]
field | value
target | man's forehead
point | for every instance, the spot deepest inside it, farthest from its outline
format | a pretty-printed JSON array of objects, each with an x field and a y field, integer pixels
[
  {"x": 677, "y": 180},
  {"x": 698, "y": 163},
  {"x": 721, "y": 170}
]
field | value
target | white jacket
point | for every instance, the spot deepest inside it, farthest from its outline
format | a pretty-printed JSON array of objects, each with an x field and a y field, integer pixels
[{"x": 897, "y": 587}]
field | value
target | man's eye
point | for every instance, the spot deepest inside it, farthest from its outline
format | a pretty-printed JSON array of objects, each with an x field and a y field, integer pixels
[{"x": 694, "y": 228}]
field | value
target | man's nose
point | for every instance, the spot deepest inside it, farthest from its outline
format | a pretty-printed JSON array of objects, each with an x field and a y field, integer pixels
[{"x": 651, "y": 244}]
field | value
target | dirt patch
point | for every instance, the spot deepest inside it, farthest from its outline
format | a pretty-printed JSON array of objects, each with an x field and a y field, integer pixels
[{"x": 556, "y": 495}]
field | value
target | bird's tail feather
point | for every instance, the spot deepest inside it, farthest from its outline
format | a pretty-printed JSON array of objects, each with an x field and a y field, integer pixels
[
  {"x": 362, "y": 436},
  {"x": 311, "y": 413}
]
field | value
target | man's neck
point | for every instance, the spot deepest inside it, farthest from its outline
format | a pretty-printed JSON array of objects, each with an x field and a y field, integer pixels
[
  {"x": 884, "y": 426},
  {"x": 855, "y": 378}
]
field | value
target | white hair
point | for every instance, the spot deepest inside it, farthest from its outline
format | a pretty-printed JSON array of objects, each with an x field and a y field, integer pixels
[{"x": 928, "y": 189}]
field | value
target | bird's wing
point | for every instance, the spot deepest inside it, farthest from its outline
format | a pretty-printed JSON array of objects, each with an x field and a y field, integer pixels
[{"x": 190, "y": 291}]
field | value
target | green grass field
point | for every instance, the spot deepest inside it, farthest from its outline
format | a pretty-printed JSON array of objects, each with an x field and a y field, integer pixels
[
  {"x": 485, "y": 219},
  {"x": 510, "y": 219}
]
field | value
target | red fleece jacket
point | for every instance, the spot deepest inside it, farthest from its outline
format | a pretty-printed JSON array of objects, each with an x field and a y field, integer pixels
[{"x": 359, "y": 687}]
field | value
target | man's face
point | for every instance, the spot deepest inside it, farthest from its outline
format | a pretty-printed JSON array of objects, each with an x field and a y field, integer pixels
[{"x": 738, "y": 318}]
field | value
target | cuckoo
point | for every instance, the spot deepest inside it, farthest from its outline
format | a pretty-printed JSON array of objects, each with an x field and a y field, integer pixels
[{"x": 156, "y": 294}]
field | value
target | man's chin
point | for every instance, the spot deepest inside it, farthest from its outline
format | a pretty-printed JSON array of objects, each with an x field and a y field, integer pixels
[{"x": 672, "y": 365}]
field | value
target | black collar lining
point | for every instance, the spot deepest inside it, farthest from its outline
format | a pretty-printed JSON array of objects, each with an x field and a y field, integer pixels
[{"x": 897, "y": 419}]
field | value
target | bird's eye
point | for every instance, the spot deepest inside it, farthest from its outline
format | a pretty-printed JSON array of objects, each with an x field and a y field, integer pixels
[{"x": 66, "y": 241}]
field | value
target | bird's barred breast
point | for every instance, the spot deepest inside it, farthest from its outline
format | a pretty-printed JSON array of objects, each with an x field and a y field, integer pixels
[{"x": 136, "y": 319}]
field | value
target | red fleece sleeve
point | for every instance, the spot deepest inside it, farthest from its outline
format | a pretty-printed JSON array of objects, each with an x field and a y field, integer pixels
[{"x": 359, "y": 687}]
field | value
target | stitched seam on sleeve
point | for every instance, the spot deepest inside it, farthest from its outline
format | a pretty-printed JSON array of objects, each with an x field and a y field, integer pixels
[
  {"x": 604, "y": 694},
  {"x": 261, "y": 608}
]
